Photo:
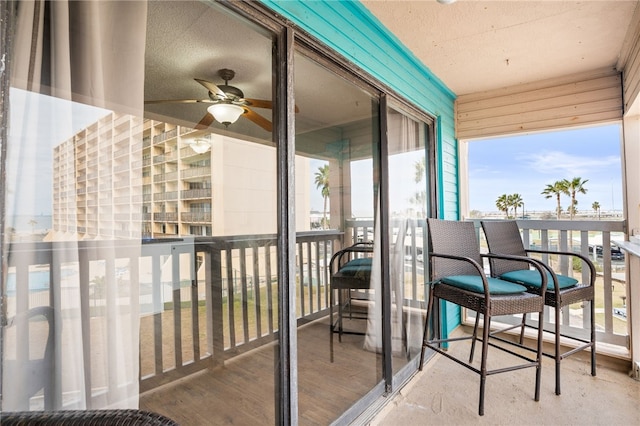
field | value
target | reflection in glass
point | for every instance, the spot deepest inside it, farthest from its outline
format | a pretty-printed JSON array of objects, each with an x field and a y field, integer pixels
[
  {"x": 336, "y": 138},
  {"x": 408, "y": 204},
  {"x": 75, "y": 135},
  {"x": 142, "y": 232}
]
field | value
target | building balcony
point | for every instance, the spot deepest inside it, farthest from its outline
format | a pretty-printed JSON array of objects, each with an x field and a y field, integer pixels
[
  {"x": 166, "y": 217},
  {"x": 191, "y": 194},
  {"x": 195, "y": 172},
  {"x": 196, "y": 217},
  {"x": 165, "y": 196}
]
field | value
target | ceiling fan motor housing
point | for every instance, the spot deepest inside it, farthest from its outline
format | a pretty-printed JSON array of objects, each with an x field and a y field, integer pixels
[
  {"x": 233, "y": 91},
  {"x": 226, "y": 74}
]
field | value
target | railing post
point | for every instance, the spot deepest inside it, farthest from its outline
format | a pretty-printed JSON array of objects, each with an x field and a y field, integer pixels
[{"x": 213, "y": 277}]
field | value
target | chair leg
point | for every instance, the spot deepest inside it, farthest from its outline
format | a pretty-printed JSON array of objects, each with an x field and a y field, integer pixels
[
  {"x": 522, "y": 327},
  {"x": 331, "y": 301},
  {"x": 593, "y": 337},
  {"x": 340, "y": 314},
  {"x": 539, "y": 357},
  {"x": 425, "y": 333},
  {"x": 483, "y": 362},
  {"x": 474, "y": 337},
  {"x": 558, "y": 357}
]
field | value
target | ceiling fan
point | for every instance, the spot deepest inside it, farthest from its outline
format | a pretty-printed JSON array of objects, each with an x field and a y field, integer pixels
[{"x": 228, "y": 103}]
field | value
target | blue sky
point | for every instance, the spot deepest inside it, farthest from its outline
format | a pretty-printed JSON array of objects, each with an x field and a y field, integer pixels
[
  {"x": 526, "y": 164},
  {"x": 517, "y": 164}
]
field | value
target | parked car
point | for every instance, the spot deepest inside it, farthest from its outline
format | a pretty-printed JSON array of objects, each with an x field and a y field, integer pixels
[{"x": 616, "y": 252}]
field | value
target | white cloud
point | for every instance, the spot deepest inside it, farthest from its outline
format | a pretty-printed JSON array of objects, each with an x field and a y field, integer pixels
[{"x": 562, "y": 164}]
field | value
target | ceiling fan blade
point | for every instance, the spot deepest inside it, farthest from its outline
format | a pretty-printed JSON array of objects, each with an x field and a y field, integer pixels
[
  {"x": 211, "y": 87},
  {"x": 259, "y": 103},
  {"x": 258, "y": 119},
  {"x": 205, "y": 122},
  {"x": 179, "y": 101}
]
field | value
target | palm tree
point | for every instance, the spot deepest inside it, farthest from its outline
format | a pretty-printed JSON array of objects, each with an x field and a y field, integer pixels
[
  {"x": 555, "y": 190},
  {"x": 322, "y": 182},
  {"x": 596, "y": 207},
  {"x": 420, "y": 198},
  {"x": 515, "y": 201},
  {"x": 98, "y": 284},
  {"x": 33, "y": 224},
  {"x": 573, "y": 187},
  {"x": 502, "y": 204},
  {"x": 421, "y": 168}
]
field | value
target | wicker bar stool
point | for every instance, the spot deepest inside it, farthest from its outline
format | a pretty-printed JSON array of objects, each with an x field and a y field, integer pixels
[
  {"x": 504, "y": 237},
  {"x": 457, "y": 275}
]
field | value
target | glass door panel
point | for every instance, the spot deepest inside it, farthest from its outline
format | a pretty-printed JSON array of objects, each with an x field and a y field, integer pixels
[
  {"x": 213, "y": 183},
  {"x": 336, "y": 145},
  {"x": 408, "y": 177}
]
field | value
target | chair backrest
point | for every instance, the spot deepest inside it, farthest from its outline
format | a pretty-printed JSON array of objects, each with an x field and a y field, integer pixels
[
  {"x": 452, "y": 238},
  {"x": 503, "y": 237}
]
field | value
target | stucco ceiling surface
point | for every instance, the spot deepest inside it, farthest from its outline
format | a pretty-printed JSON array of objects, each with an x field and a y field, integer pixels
[{"x": 478, "y": 45}]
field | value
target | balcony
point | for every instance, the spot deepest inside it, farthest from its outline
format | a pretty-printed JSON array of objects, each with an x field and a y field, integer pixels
[
  {"x": 190, "y": 194},
  {"x": 166, "y": 217},
  {"x": 196, "y": 217},
  {"x": 225, "y": 315}
]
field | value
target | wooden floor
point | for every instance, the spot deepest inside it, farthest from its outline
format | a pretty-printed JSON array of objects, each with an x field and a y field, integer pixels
[{"x": 242, "y": 392}]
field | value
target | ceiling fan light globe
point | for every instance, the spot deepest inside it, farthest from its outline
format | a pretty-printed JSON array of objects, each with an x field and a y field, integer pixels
[
  {"x": 200, "y": 146},
  {"x": 226, "y": 113}
]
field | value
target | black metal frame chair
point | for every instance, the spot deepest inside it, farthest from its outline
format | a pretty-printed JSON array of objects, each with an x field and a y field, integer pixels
[
  {"x": 457, "y": 275},
  {"x": 504, "y": 237},
  {"x": 350, "y": 269}
]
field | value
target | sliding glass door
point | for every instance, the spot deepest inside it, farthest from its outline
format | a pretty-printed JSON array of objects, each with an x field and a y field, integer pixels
[
  {"x": 410, "y": 180},
  {"x": 337, "y": 143},
  {"x": 145, "y": 181}
]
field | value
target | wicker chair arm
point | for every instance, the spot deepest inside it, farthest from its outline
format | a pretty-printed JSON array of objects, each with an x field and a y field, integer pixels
[
  {"x": 592, "y": 268},
  {"x": 540, "y": 266},
  {"x": 473, "y": 262},
  {"x": 337, "y": 257}
]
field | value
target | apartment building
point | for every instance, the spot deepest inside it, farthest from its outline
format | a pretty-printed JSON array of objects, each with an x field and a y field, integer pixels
[{"x": 123, "y": 177}]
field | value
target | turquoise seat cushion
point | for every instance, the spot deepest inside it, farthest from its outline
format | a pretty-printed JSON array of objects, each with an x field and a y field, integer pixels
[
  {"x": 531, "y": 278},
  {"x": 474, "y": 283},
  {"x": 357, "y": 268}
]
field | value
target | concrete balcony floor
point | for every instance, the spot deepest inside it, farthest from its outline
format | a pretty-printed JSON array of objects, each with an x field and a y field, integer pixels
[{"x": 447, "y": 393}]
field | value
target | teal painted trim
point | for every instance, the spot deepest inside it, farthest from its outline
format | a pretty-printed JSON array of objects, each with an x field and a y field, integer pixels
[
  {"x": 450, "y": 318},
  {"x": 351, "y": 30},
  {"x": 453, "y": 315},
  {"x": 439, "y": 170},
  {"x": 444, "y": 322}
]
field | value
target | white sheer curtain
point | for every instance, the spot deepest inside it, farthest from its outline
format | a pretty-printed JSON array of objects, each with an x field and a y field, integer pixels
[
  {"x": 373, "y": 338},
  {"x": 403, "y": 138},
  {"x": 75, "y": 65}
]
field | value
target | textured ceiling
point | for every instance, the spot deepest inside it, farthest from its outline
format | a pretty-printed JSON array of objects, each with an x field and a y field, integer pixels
[
  {"x": 478, "y": 45},
  {"x": 471, "y": 45}
]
